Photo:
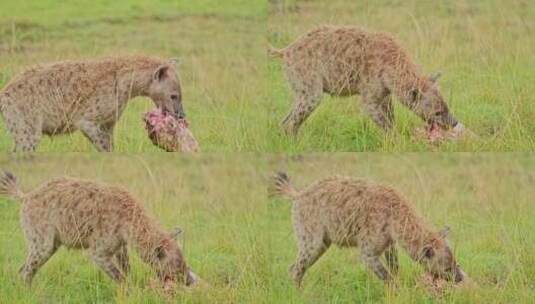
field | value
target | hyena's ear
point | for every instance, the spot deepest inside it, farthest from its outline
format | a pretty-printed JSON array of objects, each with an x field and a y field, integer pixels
[
  {"x": 434, "y": 78},
  {"x": 161, "y": 72},
  {"x": 444, "y": 232},
  {"x": 175, "y": 233},
  {"x": 175, "y": 61}
]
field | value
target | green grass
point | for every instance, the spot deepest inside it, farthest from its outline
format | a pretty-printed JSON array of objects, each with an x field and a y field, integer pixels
[
  {"x": 242, "y": 243},
  {"x": 221, "y": 44},
  {"x": 484, "y": 48}
]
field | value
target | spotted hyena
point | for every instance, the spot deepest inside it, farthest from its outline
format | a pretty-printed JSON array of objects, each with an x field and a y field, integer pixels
[
  {"x": 102, "y": 219},
  {"x": 89, "y": 96},
  {"x": 344, "y": 61},
  {"x": 350, "y": 213}
]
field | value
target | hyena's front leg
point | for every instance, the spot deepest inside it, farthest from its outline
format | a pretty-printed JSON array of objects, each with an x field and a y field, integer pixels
[
  {"x": 373, "y": 262},
  {"x": 104, "y": 260},
  {"x": 122, "y": 259},
  {"x": 379, "y": 106},
  {"x": 392, "y": 261},
  {"x": 101, "y": 135},
  {"x": 388, "y": 111}
]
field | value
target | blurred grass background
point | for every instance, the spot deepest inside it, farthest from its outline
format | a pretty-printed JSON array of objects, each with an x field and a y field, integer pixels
[{"x": 484, "y": 49}]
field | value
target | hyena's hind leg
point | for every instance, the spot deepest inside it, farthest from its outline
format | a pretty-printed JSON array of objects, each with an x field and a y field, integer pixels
[
  {"x": 40, "y": 249},
  {"x": 307, "y": 89},
  {"x": 101, "y": 136},
  {"x": 28, "y": 141},
  {"x": 26, "y": 135},
  {"x": 378, "y": 104},
  {"x": 310, "y": 248}
]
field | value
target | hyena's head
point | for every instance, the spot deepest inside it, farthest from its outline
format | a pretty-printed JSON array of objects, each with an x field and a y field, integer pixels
[
  {"x": 169, "y": 262},
  {"x": 165, "y": 89},
  {"x": 437, "y": 257},
  {"x": 430, "y": 105}
]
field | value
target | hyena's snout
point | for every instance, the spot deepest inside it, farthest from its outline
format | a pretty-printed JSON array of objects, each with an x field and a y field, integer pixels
[
  {"x": 173, "y": 107},
  {"x": 192, "y": 279},
  {"x": 460, "y": 275}
]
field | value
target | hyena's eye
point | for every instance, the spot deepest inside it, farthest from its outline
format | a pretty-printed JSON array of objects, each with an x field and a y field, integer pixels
[{"x": 174, "y": 97}]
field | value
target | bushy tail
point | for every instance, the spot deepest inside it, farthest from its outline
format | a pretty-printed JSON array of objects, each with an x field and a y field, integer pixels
[
  {"x": 9, "y": 186},
  {"x": 281, "y": 186},
  {"x": 275, "y": 53}
]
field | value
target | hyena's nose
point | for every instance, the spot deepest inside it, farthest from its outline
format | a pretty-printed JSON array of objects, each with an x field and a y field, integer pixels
[
  {"x": 180, "y": 114},
  {"x": 459, "y": 275}
]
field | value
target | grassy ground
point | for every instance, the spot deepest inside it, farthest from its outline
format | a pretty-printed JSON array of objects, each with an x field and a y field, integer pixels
[
  {"x": 221, "y": 44},
  {"x": 484, "y": 49},
  {"x": 242, "y": 243}
]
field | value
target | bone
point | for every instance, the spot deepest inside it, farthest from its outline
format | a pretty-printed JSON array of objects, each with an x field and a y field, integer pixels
[{"x": 168, "y": 133}]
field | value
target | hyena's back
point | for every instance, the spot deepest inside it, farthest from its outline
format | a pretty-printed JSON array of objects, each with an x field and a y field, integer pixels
[
  {"x": 78, "y": 212},
  {"x": 345, "y": 58},
  {"x": 54, "y": 97},
  {"x": 58, "y": 94},
  {"x": 349, "y": 209}
]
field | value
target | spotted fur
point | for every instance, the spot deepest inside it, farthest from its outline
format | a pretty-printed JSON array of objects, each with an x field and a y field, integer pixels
[
  {"x": 104, "y": 220},
  {"x": 89, "y": 96},
  {"x": 345, "y": 61},
  {"x": 349, "y": 212}
]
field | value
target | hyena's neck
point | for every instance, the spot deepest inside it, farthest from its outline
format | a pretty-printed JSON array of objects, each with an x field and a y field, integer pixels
[
  {"x": 134, "y": 83},
  {"x": 407, "y": 82},
  {"x": 413, "y": 234},
  {"x": 134, "y": 75},
  {"x": 145, "y": 237}
]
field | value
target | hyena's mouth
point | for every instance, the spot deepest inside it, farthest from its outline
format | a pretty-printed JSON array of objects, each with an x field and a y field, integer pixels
[
  {"x": 166, "y": 111},
  {"x": 175, "y": 114},
  {"x": 191, "y": 278},
  {"x": 168, "y": 283},
  {"x": 434, "y": 131}
]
